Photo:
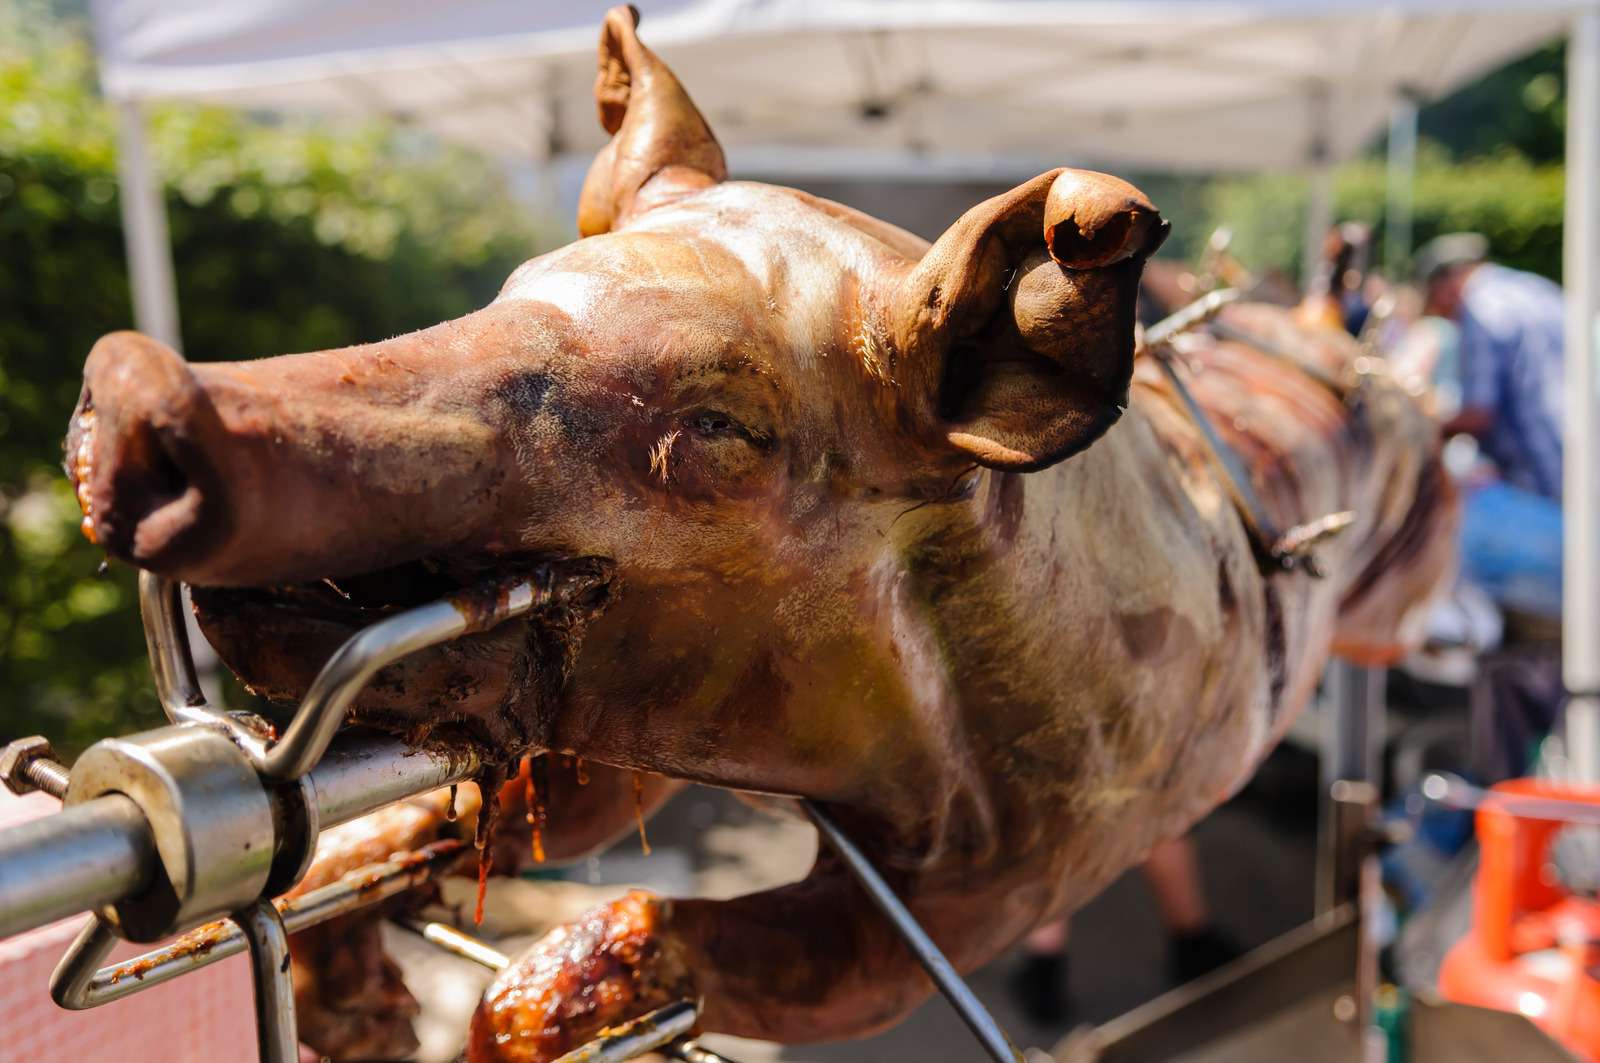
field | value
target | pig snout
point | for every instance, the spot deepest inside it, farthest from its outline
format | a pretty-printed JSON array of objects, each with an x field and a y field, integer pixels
[
  {"x": 292, "y": 468},
  {"x": 135, "y": 454}
]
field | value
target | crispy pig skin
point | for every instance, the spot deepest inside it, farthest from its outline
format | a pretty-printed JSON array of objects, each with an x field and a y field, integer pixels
[{"x": 609, "y": 966}]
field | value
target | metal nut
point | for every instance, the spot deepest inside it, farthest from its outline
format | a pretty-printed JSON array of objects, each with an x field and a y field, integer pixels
[{"x": 15, "y": 758}]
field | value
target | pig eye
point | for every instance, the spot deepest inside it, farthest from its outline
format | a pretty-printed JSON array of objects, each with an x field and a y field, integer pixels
[{"x": 713, "y": 423}]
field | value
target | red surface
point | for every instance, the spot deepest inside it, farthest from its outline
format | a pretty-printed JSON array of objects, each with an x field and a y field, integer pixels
[{"x": 200, "y": 1018}]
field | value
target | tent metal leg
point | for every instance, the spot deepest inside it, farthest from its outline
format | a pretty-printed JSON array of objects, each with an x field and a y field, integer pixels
[
  {"x": 1400, "y": 186},
  {"x": 144, "y": 229},
  {"x": 1581, "y": 488},
  {"x": 1352, "y": 751}
]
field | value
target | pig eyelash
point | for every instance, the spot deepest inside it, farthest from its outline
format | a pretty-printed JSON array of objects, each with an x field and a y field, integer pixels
[
  {"x": 713, "y": 424},
  {"x": 661, "y": 456}
]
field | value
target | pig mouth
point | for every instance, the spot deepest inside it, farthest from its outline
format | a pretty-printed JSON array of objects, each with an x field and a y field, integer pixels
[{"x": 496, "y": 691}]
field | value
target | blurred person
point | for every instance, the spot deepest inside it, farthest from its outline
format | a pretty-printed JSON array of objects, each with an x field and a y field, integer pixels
[
  {"x": 1336, "y": 295},
  {"x": 1510, "y": 362},
  {"x": 1194, "y": 945},
  {"x": 1511, "y": 338}
]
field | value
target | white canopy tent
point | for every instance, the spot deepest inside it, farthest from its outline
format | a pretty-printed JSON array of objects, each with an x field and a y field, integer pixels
[
  {"x": 1169, "y": 84},
  {"x": 900, "y": 87}
]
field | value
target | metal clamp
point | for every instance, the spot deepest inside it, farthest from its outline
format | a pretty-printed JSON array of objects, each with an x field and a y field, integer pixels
[{"x": 209, "y": 816}]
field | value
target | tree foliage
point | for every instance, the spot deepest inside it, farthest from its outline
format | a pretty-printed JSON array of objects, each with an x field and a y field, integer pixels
[
  {"x": 1490, "y": 161},
  {"x": 286, "y": 237},
  {"x": 1516, "y": 203}
]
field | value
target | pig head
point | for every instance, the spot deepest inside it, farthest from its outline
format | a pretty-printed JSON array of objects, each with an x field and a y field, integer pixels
[{"x": 714, "y": 416}]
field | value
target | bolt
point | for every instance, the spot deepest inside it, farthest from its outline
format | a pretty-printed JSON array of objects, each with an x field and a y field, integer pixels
[{"x": 29, "y": 764}]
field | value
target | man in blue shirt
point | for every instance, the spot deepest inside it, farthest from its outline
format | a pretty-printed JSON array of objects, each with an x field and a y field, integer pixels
[{"x": 1511, "y": 341}]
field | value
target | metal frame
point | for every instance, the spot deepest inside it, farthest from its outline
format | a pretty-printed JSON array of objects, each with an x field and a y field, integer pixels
[{"x": 106, "y": 847}]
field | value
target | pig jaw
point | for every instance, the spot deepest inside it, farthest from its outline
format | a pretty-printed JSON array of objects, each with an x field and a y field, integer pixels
[{"x": 494, "y": 691}]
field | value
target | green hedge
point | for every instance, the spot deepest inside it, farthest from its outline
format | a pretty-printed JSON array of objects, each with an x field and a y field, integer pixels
[
  {"x": 1516, "y": 204},
  {"x": 286, "y": 237}
]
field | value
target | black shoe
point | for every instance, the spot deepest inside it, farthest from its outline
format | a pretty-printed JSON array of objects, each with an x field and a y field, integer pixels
[
  {"x": 1039, "y": 986},
  {"x": 1197, "y": 952}
]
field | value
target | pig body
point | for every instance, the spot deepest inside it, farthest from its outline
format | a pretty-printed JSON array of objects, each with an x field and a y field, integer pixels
[{"x": 901, "y": 528}]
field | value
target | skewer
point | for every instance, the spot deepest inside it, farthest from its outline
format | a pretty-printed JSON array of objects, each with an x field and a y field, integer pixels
[
  {"x": 633, "y": 1039},
  {"x": 983, "y": 1025},
  {"x": 457, "y": 942}
]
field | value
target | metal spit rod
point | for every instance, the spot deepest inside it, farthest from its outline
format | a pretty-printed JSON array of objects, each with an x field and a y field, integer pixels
[
  {"x": 983, "y": 1026},
  {"x": 78, "y": 859},
  {"x": 94, "y": 854}
]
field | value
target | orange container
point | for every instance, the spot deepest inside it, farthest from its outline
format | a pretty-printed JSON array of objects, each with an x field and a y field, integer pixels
[{"x": 1532, "y": 948}]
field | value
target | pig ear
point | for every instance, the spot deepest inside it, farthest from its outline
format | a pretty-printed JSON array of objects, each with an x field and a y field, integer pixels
[
  {"x": 658, "y": 138},
  {"x": 1015, "y": 331}
]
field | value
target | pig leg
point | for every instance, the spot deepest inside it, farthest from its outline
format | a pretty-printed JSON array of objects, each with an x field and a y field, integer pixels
[
  {"x": 805, "y": 962},
  {"x": 350, "y": 1001}
]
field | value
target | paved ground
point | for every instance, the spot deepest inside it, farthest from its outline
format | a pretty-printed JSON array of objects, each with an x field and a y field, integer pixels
[{"x": 1257, "y": 855}]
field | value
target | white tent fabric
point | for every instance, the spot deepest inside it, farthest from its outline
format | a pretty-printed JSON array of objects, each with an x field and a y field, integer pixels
[{"x": 1170, "y": 84}]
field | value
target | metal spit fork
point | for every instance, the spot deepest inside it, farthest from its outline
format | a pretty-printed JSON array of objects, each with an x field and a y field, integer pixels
[{"x": 150, "y": 838}]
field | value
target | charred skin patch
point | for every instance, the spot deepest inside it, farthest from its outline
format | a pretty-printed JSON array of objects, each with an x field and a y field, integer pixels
[
  {"x": 525, "y": 393},
  {"x": 1145, "y": 634}
]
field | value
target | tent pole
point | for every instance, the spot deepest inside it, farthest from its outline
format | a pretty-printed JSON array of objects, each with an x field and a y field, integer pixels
[
  {"x": 1319, "y": 185},
  {"x": 1319, "y": 218},
  {"x": 1400, "y": 187},
  {"x": 155, "y": 295},
  {"x": 1581, "y": 484},
  {"x": 144, "y": 231}
]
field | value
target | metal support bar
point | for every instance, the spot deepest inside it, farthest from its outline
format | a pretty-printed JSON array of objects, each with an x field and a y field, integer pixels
[
  {"x": 1318, "y": 220},
  {"x": 144, "y": 231},
  {"x": 635, "y": 1038},
  {"x": 1352, "y": 748},
  {"x": 79, "y": 985},
  {"x": 276, "y": 1038},
  {"x": 988, "y": 1032}
]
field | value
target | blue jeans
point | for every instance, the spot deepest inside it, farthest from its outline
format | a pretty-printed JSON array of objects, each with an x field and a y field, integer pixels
[{"x": 1511, "y": 547}]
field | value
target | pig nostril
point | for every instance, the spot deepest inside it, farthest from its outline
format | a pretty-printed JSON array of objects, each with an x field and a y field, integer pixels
[{"x": 147, "y": 478}]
